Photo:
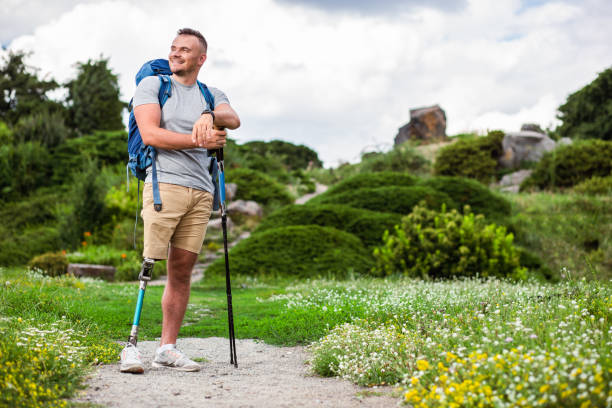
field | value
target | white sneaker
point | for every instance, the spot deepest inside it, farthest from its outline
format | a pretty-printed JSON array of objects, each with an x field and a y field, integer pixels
[
  {"x": 130, "y": 360},
  {"x": 175, "y": 359}
]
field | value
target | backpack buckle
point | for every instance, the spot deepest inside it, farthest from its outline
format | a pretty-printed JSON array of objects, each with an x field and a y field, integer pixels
[{"x": 158, "y": 207}]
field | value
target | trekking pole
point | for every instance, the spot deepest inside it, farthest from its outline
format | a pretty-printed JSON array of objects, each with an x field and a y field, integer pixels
[
  {"x": 144, "y": 277},
  {"x": 228, "y": 286}
]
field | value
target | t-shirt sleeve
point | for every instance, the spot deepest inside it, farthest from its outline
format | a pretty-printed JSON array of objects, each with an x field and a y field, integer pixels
[
  {"x": 219, "y": 96},
  {"x": 147, "y": 91}
]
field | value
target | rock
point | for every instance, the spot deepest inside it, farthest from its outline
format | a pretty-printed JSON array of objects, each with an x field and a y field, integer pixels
[
  {"x": 427, "y": 124},
  {"x": 524, "y": 146},
  {"x": 217, "y": 225},
  {"x": 105, "y": 272},
  {"x": 511, "y": 183},
  {"x": 230, "y": 191},
  {"x": 241, "y": 210}
]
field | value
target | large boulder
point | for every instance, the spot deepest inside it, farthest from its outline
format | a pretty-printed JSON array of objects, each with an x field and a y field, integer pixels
[
  {"x": 426, "y": 124},
  {"x": 241, "y": 210},
  {"x": 524, "y": 146}
]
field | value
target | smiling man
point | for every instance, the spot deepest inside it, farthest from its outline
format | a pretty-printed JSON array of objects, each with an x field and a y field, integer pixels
[{"x": 182, "y": 131}]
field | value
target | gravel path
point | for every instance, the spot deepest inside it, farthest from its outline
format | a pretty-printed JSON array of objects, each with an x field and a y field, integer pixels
[{"x": 266, "y": 376}]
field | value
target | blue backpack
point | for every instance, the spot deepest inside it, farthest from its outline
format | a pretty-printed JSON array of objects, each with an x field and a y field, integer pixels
[{"x": 142, "y": 156}]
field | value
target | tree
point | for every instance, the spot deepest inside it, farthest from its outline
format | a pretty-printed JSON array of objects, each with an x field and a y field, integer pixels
[
  {"x": 586, "y": 113},
  {"x": 22, "y": 93},
  {"x": 93, "y": 98}
]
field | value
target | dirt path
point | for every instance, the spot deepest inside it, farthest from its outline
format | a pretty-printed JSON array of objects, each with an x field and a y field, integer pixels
[{"x": 267, "y": 376}]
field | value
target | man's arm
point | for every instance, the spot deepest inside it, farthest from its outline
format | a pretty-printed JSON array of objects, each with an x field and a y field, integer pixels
[
  {"x": 148, "y": 117},
  {"x": 225, "y": 117}
]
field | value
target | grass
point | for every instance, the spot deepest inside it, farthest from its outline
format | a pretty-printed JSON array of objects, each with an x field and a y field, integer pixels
[
  {"x": 566, "y": 231},
  {"x": 488, "y": 342}
]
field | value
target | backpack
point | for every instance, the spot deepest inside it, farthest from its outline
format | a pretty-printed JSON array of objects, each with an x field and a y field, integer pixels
[{"x": 142, "y": 156}]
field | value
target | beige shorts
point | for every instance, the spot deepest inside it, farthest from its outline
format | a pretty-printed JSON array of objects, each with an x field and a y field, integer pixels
[{"x": 181, "y": 222}]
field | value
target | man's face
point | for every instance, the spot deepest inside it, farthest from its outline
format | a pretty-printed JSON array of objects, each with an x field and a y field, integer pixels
[{"x": 186, "y": 55}]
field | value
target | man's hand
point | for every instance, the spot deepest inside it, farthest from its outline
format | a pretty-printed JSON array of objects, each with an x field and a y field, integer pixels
[
  {"x": 202, "y": 132},
  {"x": 213, "y": 139}
]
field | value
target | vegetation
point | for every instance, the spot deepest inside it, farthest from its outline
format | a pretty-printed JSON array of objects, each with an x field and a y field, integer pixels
[
  {"x": 367, "y": 180},
  {"x": 464, "y": 192},
  {"x": 595, "y": 186},
  {"x": 256, "y": 186},
  {"x": 50, "y": 264},
  {"x": 302, "y": 251},
  {"x": 571, "y": 164},
  {"x": 391, "y": 199},
  {"x": 368, "y": 226},
  {"x": 586, "y": 113},
  {"x": 472, "y": 158},
  {"x": 432, "y": 245}
]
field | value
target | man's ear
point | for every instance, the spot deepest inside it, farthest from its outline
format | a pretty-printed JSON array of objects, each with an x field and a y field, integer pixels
[{"x": 202, "y": 59}]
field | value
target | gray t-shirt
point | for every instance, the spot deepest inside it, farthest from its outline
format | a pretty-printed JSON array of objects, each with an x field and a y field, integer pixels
[{"x": 188, "y": 167}]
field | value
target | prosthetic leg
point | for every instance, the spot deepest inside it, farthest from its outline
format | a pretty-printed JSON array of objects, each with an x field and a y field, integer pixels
[{"x": 145, "y": 276}]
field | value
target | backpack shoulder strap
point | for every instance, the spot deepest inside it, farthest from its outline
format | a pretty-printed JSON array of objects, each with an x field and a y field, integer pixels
[
  {"x": 208, "y": 96},
  {"x": 165, "y": 89}
]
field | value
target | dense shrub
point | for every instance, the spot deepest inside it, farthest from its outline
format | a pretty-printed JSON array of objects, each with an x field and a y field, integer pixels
[
  {"x": 104, "y": 147},
  {"x": 86, "y": 210},
  {"x": 304, "y": 251},
  {"x": 431, "y": 244},
  {"x": 367, "y": 180},
  {"x": 50, "y": 263},
  {"x": 568, "y": 165},
  {"x": 17, "y": 247},
  {"x": 43, "y": 127},
  {"x": 256, "y": 186},
  {"x": 292, "y": 156},
  {"x": 595, "y": 186},
  {"x": 470, "y": 192},
  {"x": 23, "y": 168},
  {"x": 472, "y": 158},
  {"x": 403, "y": 159},
  {"x": 391, "y": 199},
  {"x": 368, "y": 226},
  {"x": 586, "y": 113}
]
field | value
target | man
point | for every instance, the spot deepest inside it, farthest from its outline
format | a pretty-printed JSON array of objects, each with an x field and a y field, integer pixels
[{"x": 181, "y": 131}]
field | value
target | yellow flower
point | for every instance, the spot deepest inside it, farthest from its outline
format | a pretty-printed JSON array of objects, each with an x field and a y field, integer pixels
[
  {"x": 422, "y": 365},
  {"x": 585, "y": 404},
  {"x": 544, "y": 388},
  {"x": 414, "y": 380}
]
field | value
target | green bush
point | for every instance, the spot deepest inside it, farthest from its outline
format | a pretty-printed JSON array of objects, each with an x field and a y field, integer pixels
[
  {"x": 402, "y": 159},
  {"x": 50, "y": 263},
  {"x": 303, "y": 251},
  {"x": 103, "y": 147},
  {"x": 569, "y": 165},
  {"x": 369, "y": 226},
  {"x": 470, "y": 192},
  {"x": 43, "y": 127},
  {"x": 472, "y": 158},
  {"x": 586, "y": 113},
  {"x": 431, "y": 244},
  {"x": 391, "y": 199},
  {"x": 292, "y": 156},
  {"x": 367, "y": 180},
  {"x": 18, "y": 246},
  {"x": 23, "y": 168},
  {"x": 595, "y": 186},
  {"x": 256, "y": 186},
  {"x": 86, "y": 209}
]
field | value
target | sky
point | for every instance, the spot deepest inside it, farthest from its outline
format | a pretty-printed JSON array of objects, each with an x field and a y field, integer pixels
[{"x": 339, "y": 76}]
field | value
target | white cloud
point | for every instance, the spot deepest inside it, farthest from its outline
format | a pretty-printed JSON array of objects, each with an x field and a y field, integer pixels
[{"x": 339, "y": 82}]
